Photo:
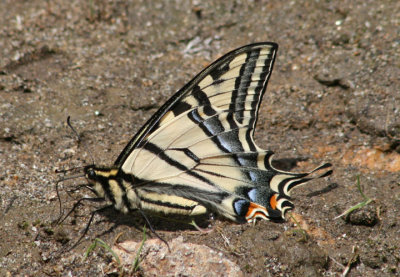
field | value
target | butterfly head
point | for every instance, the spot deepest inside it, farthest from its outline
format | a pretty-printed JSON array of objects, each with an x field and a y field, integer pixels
[
  {"x": 99, "y": 178},
  {"x": 90, "y": 174}
]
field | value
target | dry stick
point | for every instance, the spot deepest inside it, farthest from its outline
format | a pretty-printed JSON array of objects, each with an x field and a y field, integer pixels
[{"x": 352, "y": 260}]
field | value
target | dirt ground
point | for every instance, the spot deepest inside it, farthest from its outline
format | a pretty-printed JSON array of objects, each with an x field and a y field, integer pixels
[{"x": 333, "y": 96}]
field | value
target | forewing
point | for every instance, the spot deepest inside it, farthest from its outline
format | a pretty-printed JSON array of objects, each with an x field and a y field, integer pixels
[{"x": 235, "y": 82}]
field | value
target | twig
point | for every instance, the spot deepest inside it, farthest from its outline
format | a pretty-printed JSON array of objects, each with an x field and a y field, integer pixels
[{"x": 352, "y": 260}]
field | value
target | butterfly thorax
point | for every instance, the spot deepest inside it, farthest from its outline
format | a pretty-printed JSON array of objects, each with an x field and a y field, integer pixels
[{"x": 109, "y": 183}]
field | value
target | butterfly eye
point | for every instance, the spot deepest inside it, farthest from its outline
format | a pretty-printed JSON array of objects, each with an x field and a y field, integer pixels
[{"x": 91, "y": 174}]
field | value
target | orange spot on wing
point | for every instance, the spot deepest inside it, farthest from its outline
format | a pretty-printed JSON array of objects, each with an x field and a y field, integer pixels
[
  {"x": 254, "y": 210},
  {"x": 251, "y": 208},
  {"x": 272, "y": 202}
]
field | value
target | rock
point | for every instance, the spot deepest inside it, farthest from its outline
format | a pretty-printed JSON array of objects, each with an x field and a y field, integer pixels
[
  {"x": 367, "y": 216},
  {"x": 184, "y": 259}
]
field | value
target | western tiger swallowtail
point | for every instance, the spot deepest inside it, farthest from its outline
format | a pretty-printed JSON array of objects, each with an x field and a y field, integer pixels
[{"x": 197, "y": 153}]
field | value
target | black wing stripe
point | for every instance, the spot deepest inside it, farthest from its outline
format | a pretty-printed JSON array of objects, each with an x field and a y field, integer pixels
[
  {"x": 242, "y": 83},
  {"x": 251, "y": 91},
  {"x": 188, "y": 153},
  {"x": 212, "y": 128},
  {"x": 226, "y": 141},
  {"x": 200, "y": 96},
  {"x": 221, "y": 70},
  {"x": 183, "y": 190},
  {"x": 208, "y": 129},
  {"x": 163, "y": 156},
  {"x": 181, "y": 108},
  {"x": 259, "y": 177}
]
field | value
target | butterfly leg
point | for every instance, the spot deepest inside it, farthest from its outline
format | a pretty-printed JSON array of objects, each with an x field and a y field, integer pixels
[
  {"x": 89, "y": 223},
  {"x": 198, "y": 228},
  {"x": 77, "y": 203},
  {"x": 152, "y": 229}
]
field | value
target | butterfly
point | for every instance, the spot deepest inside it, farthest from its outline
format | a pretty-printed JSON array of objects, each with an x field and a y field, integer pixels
[{"x": 197, "y": 153}]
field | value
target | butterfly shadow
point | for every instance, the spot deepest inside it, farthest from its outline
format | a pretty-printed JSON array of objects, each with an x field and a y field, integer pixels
[
  {"x": 157, "y": 221},
  {"x": 324, "y": 190},
  {"x": 287, "y": 164}
]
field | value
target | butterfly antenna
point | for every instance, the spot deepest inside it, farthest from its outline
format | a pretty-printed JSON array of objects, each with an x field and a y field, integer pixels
[
  {"x": 73, "y": 129},
  {"x": 62, "y": 180},
  {"x": 152, "y": 229},
  {"x": 68, "y": 170}
]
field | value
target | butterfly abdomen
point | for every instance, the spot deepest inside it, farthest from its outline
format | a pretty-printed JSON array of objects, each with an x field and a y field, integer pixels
[{"x": 119, "y": 188}]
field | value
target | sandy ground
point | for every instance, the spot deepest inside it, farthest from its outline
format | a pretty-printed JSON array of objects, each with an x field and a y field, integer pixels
[{"x": 333, "y": 96}]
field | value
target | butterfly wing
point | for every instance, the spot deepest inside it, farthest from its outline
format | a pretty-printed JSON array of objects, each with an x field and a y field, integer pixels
[
  {"x": 198, "y": 153},
  {"x": 226, "y": 82}
]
